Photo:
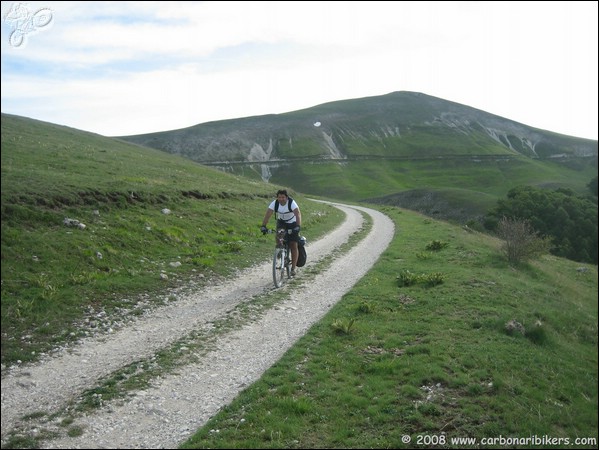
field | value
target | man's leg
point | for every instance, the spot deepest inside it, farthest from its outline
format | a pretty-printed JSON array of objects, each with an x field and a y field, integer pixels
[{"x": 294, "y": 254}]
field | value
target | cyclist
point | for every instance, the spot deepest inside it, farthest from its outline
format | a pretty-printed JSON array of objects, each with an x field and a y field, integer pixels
[{"x": 289, "y": 217}]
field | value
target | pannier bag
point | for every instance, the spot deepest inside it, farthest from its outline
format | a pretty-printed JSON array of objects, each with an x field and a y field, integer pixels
[{"x": 301, "y": 258}]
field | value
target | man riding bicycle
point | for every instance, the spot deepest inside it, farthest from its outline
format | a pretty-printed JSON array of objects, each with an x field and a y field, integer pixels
[{"x": 288, "y": 218}]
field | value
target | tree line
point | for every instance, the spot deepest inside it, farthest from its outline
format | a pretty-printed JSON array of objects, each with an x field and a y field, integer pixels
[{"x": 568, "y": 220}]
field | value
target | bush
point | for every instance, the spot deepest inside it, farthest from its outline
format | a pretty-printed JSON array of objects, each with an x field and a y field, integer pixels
[
  {"x": 435, "y": 245},
  {"x": 343, "y": 326},
  {"x": 521, "y": 241},
  {"x": 407, "y": 278}
]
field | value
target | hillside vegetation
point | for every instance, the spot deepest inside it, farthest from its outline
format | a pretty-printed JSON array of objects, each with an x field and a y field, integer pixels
[
  {"x": 442, "y": 338},
  {"x": 92, "y": 225}
]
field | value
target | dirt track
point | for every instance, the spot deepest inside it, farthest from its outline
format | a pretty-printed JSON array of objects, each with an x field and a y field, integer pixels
[{"x": 176, "y": 405}]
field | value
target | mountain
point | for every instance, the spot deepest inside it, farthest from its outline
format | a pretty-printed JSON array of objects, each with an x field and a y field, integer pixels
[
  {"x": 405, "y": 125},
  {"x": 403, "y": 147}
]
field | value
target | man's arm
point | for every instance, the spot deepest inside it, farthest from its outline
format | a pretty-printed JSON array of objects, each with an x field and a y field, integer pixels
[
  {"x": 298, "y": 217},
  {"x": 267, "y": 217}
]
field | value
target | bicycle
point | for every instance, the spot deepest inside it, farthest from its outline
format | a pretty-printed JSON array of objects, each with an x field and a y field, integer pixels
[{"x": 281, "y": 261}]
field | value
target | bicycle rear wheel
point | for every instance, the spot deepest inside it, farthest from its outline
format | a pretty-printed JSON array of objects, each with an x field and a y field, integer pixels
[{"x": 278, "y": 267}]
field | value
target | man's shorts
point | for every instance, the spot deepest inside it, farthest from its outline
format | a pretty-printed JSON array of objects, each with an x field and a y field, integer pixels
[{"x": 294, "y": 235}]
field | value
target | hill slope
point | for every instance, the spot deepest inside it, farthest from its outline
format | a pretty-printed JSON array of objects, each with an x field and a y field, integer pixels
[
  {"x": 86, "y": 217},
  {"x": 396, "y": 125},
  {"x": 48, "y": 164},
  {"x": 377, "y": 147}
]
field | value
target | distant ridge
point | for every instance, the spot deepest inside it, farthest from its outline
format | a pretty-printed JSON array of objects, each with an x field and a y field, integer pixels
[{"x": 396, "y": 125}]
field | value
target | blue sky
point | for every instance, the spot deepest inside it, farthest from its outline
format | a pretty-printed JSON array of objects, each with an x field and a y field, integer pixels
[{"x": 124, "y": 68}]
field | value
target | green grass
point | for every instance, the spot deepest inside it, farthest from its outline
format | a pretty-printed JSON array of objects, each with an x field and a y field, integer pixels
[
  {"x": 369, "y": 179},
  {"x": 432, "y": 360}
]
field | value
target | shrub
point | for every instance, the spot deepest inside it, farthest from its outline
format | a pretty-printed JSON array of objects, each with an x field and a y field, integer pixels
[
  {"x": 407, "y": 278},
  {"x": 521, "y": 241},
  {"x": 365, "y": 307},
  {"x": 342, "y": 326},
  {"x": 436, "y": 245},
  {"x": 433, "y": 279},
  {"x": 537, "y": 334}
]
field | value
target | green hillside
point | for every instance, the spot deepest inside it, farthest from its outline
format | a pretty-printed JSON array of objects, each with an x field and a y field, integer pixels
[
  {"x": 399, "y": 125},
  {"x": 142, "y": 213},
  {"x": 389, "y": 147},
  {"x": 47, "y": 164}
]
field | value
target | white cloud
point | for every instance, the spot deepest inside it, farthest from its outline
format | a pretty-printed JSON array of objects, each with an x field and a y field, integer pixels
[{"x": 135, "y": 67}]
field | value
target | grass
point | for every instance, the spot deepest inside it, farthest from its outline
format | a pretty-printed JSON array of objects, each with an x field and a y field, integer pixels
[
  {"x": 470, "y": 187},
  {"x": 392, "y": 360}
]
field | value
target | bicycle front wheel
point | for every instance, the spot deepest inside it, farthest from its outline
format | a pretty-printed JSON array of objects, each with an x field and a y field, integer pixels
[{"x": 278, "y": 267}]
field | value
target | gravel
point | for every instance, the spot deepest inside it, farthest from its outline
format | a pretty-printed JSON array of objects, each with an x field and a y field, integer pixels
[{"x": 176, "y": 405}]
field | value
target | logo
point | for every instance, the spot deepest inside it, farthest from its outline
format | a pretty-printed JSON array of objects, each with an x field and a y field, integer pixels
[{"x": 25, "y": 22}]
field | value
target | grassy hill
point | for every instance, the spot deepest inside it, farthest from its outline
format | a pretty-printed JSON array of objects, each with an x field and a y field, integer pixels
[
  {"x": 151, "y": 220},
  {"x": 486, "y": 351},
  {"x": 387, "y": 148}
]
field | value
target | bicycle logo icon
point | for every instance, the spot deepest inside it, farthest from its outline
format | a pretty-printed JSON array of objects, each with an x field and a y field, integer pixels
[{"x": 24, "y": 22}]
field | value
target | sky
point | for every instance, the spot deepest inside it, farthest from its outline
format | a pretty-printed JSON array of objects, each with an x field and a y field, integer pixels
[{"x": 126, "y": 68}]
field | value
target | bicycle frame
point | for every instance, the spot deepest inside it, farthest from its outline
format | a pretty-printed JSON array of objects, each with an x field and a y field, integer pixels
[{"x": 281, "y": 262}]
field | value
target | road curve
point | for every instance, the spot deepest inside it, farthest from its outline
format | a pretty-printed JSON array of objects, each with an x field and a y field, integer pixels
[{"x": 170, "y": 411}]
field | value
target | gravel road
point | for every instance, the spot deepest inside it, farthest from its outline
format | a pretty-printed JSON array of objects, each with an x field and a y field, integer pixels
[{"x": 176, "y": 405}]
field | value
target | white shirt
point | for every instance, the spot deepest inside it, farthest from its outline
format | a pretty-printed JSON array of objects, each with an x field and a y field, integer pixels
[{"x": 283, "y": 213}]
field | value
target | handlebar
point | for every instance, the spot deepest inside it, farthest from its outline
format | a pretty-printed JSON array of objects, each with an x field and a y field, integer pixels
[
  {"x": 270, "y": 231},
  {"x": 267, "y": 230}
]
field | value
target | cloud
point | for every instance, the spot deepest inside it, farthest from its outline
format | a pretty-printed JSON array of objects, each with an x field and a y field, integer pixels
[{"x": 136, "y": 67}]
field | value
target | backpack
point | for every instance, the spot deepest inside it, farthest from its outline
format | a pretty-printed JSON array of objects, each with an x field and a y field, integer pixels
[
  {"x": 302, "y": 256},
  {"x": 289, "y": 201}
]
